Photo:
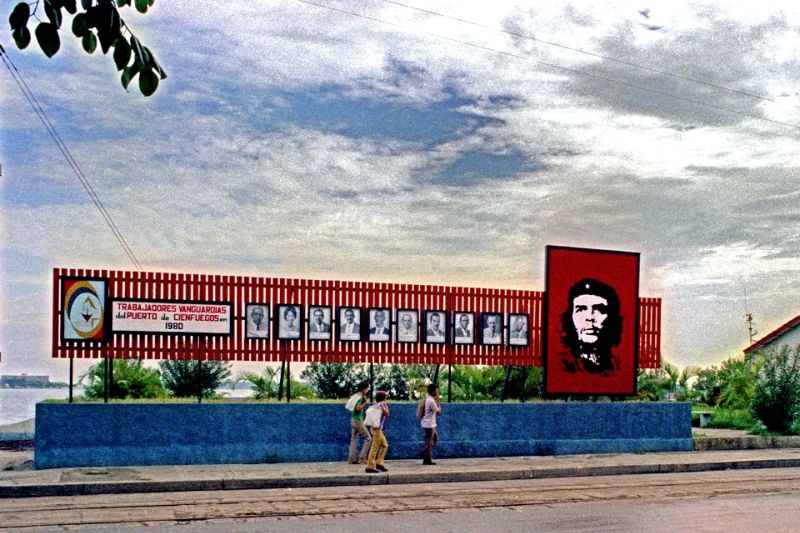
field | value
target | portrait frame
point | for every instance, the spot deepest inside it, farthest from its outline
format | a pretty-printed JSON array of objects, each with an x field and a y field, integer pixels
[
  {"x": 341, "y": 320},
  {"x": 282, "y": 325},
  {"x": 259, "y": 333},
  {"x": 486, "y": 340},
  {"x": 98, "y": 325},
  {"x": 456, "y": 326},
  {"x": 610, "y": 281},
  {"x": 327, "y": 318},
  {"x": 399, "y": 338},
  {"x": 427, "y": 315},
  {"x": 512, "y": 340},
  {"x": 375, "y": 337}
]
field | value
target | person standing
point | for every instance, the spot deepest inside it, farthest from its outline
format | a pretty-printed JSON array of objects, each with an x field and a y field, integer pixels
[
  {"x": 433, "y": 407},
  {"x": 376, "y": 421},
  {"x": 357, "y": 428}
]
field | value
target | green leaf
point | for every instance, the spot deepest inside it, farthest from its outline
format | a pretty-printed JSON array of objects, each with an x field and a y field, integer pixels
[
  {"x": 80, "y": 25},
  {"x": 53, "y": 12},
  {"x": 22, "y": 36},
  {"x": 151, "y": 2},
  {"x": 19, "y": 16},
  {"x": 70, "y": 6},
  {"x": 122, "y": 53},
  {"x": 148, "y": 82},
  {"x": 86, "y": 4},
  {"x": 105, "y": 17},
  {"x": 142, "y": 57},
  {"x": 128, "y": 74},
  {"x": 141, "y": 6},
  {"x": 89, "y": 42},
  {"x": 47, "y": 35},
  {"x": 121, "y": 3}
]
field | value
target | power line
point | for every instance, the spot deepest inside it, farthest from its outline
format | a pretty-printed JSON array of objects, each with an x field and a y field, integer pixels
[
  {"x": 556, "y": 66},
  {"x": 584, "y": 52},
  {"x": 62, "y": 147}
]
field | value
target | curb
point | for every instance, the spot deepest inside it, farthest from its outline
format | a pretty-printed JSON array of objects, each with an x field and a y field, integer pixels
[
  {"x": 748, "y": 442},
  {"x": 129, "y": 487}
]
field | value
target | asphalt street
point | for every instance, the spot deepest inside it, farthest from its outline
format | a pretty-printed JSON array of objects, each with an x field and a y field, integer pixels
[{"x": 728, "y": 500}]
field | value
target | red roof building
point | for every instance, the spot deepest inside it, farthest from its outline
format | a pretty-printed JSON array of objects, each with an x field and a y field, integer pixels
[{"x": 786, "y": 335}]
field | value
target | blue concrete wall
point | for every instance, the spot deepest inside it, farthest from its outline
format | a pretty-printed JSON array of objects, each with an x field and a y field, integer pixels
[{"x": 150, "y": 434}]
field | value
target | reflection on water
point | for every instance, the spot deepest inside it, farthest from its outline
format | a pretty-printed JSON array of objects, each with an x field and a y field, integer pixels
[{"x": 17, "y": 405}]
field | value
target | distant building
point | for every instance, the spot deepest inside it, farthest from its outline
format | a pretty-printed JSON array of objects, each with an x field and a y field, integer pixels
[
  {"x": 786, "y": 335},
  {"x": 24, "y": 380}
]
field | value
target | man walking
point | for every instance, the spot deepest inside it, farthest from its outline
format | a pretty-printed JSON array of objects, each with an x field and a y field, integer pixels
[
  {"x": 357, "y": 428},
  {"x": 433, "y": 407}
]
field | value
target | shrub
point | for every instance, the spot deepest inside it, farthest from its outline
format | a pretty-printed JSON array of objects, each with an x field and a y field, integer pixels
[
  {"x": 181, "y": 377},
  {"x": 776, "y": 398},
  {"x": 732, "y": 418},
  {"x": 265, "y": 384},
  {"x": 129, "y": 380}
]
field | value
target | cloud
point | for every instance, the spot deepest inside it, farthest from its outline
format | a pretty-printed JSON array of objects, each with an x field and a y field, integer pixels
[{"x": 291, "y": 140}]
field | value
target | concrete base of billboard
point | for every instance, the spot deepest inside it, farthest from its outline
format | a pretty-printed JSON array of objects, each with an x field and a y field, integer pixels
[{"x": 125, "y": 434}]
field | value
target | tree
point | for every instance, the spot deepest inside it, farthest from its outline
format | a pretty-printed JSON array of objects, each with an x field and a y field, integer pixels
[
  {"x": 776, "y": 395},
  {"x": 736, "y": 377},
  {"x": 334, "y": 380},
  {"x": 653, "y": 384},
  {"x": 98, "y": 21},
  {"x": 265, "y": 384},
  {"x": 393, "y": 379},
  {"x": 130, "y": 380},
  {"x": 180, "y": 377},
  {"x": 707, "y": 388}
]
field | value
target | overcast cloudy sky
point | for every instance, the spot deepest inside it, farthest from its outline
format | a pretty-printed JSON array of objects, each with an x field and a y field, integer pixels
[{"x": 372, "y": 141}]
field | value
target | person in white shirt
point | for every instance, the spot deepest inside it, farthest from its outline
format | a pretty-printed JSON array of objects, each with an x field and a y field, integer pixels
[{"x": 433, "y": 407}]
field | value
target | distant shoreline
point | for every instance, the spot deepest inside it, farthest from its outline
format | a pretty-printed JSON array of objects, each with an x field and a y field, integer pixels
[{"x": 56, "y": 385}]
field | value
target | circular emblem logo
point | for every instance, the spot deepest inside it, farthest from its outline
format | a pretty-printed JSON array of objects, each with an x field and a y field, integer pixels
[{"x": 84, "y": 309}]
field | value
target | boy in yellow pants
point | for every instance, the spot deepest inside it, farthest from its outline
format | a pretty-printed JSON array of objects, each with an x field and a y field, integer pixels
[{"x": 376, "y": 419}]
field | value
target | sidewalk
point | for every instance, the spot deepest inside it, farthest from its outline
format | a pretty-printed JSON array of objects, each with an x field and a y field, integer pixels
[{"x": 24, "y": 481}]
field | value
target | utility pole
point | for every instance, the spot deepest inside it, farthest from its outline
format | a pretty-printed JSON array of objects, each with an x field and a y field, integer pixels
[{"x": 750, "y": 331}]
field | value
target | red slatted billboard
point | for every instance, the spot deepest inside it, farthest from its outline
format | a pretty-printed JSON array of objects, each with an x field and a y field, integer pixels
[{"x": 205, "y": 316}]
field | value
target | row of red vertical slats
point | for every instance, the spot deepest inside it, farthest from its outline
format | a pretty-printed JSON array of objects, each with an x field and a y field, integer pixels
[{"x": 241, "y": 290}]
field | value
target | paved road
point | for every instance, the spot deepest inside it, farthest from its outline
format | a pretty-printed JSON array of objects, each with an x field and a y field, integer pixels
[{"x": 738, "y": 500}]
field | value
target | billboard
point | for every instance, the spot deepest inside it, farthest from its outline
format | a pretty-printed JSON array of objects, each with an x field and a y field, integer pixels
[
  {"x": 591, "y": 322},
  {"x": 171, "y": 317}
]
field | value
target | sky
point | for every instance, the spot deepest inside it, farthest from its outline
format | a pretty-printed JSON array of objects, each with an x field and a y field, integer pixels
[{"x": 419, "y": 142}]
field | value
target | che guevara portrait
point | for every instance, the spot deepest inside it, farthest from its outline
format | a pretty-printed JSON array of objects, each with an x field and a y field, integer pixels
[{"x": 591, "y": 321}]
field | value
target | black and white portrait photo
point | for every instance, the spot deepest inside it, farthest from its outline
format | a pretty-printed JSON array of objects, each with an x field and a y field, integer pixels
[
  {"x": 463, "y": 328},
  {"x": 407, "y": 325},
  {"x": 379, "y": 324},
  {"x": 289, "y": 321},
  {"x": 319, "y": 323},
  {"x": 349, "y": 324},
  {"x": 257, "y": 316},
  {"x": 491, "y": 328},
  {"x": 435, "y": 327},
  {"x": 517, "y": 329}
]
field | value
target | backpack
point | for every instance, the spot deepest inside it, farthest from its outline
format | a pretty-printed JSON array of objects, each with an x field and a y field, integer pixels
[
  {"x": 351, "y": 403},
  {"x": 421, "y": 408}
]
